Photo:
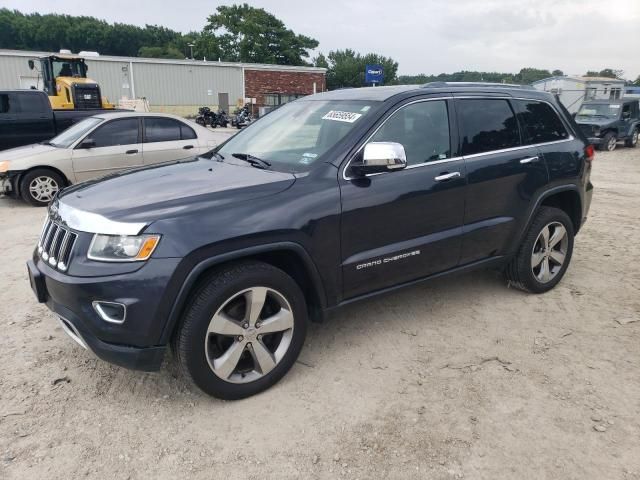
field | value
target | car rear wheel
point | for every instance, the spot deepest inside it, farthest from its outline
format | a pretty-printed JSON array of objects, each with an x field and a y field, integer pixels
[
  {"x": 38, "y": 187},
  {"x": 633, "y": 141},
  {"x": 609, "y": 142},
  {"x": 242, "y": 330},
  {"x": 545, "y": 252}
]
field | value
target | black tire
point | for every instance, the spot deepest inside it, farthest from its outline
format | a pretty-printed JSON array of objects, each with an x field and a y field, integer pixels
[
  {"x": 211, "y": 295},
  {"x": 520, "y": 273},
  {"x": 608, "y": 142},
  {"x": 632, "y": 142},
  {"x": 42, "y": 199}
]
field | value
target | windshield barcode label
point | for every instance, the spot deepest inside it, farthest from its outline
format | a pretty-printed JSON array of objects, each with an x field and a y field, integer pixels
[{"x": 338, "y": 116}]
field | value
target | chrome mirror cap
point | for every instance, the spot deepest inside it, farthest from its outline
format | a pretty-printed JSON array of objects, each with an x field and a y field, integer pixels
[{"x": 380, "y": 156}]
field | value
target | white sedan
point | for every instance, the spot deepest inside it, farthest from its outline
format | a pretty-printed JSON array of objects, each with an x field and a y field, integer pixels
[{"x": 97, "y": 146}]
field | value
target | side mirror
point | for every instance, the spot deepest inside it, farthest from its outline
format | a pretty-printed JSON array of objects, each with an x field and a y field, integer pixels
[
  {"x": 626, "y": 115},
  {"x": 381, "y": 157},
  {"x": 87, "y": 143},
  {"x": 31, "y": 65}
]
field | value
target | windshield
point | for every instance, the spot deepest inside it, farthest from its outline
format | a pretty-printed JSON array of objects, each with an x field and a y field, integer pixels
[
  {"x": 297, "y": 134},
  {"x": 74, "y": 132},
  {"x": 68, "y": 68},
  {"x": 599, "y": 110}
]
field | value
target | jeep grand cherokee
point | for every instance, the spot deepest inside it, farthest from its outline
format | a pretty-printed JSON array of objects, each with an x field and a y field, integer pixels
[{"x": 327, "y": 200}]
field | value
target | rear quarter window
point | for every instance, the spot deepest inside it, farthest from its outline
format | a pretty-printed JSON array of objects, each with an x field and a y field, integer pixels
[
  {"x": 539, "y": 122},
  {"x": 487, "y": 125}
]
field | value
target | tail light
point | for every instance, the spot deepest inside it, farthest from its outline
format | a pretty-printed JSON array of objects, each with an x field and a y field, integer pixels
[{"x": 589, "y": 153}]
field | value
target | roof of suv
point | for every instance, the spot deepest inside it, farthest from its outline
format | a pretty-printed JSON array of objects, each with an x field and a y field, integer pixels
[
  {"x": 609, "y": 102},
  {"x": 385, "y": 93}
]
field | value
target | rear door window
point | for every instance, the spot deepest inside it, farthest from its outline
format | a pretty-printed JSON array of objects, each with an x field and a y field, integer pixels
[
  {"x": 187, "y": 132},
  {"x": 116, "y": 132},
  {"x": 31, "y": 103},
  {"x": 539, "y": 122},
  {"x": 8, "y": 103},
  {"x": 487, "y": 125},
  {"x": 161, "y": 130}
]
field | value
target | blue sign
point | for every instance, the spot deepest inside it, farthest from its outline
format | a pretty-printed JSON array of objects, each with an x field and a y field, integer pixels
[{"x": 373, "y": 74}]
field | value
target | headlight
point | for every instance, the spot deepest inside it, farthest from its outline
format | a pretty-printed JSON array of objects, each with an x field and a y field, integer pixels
[
  {"x": 122, "y": 248},
  {"x": 596, "y": 131},
  {"x": 4, "y": 166}
]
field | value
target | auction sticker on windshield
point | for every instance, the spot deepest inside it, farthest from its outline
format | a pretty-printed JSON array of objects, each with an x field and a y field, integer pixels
[{"x": 339, "y": 116}]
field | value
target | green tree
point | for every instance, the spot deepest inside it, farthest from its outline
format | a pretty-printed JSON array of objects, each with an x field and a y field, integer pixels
[
  {"x": 527, "y": 76},
  {"x": 557, "y": 73},
  {"x": 637, "y": 82},
  {"x": 51, "y": 32},
  {"x": 346, "y": 68},
  {"x": 160, "y": 52},
  {"x": 320, "y": 61},
  {"x": 606, "y": 72},
  {"x": 249, "y": 34}
]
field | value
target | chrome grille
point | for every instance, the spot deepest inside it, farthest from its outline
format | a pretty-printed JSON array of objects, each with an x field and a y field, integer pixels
[{"x": 56, "y": 244}]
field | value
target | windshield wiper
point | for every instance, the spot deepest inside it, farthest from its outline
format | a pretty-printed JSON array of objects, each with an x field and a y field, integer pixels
[{"x": 254, "y": 161}]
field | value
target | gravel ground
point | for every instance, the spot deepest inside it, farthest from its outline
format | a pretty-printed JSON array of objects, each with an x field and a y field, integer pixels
[{"x": 458, "y": 378}]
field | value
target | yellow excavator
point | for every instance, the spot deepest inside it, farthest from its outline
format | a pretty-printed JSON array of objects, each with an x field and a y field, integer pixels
[{"x": 65, "y": 81}]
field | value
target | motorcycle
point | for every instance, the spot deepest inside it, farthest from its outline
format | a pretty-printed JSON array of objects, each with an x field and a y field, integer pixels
[
  {"x": 204, "y": 117},
  {"x": 219, "y": 119},
  {"x": 243, "y": 117}
]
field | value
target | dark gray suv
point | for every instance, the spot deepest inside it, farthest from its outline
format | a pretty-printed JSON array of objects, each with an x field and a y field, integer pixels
[{"x": 606, "y": 122}]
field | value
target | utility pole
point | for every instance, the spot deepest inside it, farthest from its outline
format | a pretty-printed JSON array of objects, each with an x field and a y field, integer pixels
[{"x": 191, "y": 45}]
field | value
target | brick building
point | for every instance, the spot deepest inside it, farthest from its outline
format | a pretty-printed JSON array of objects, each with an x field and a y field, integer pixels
[{"x": 273, "y": 87}]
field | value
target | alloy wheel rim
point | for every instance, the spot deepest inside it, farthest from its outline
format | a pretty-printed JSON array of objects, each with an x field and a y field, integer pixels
[
  {"x": 634, "y": 138},
  {"x": 612, "y": 144},
  {"x": 249, "y": 335},
  {"x": 549, "y": 252},
  {"x": 43, "y": 188}
]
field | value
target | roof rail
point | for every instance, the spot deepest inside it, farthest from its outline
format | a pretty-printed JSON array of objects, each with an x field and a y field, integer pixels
[{"x": 475, "y": 84}]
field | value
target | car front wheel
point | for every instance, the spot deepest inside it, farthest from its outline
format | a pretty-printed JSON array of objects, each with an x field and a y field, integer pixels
[
  {"x": 545, "y": 252},
  {"x": 609, "y": 142},
  {"x": 633, "y": 141},
  {"x": 242, "y": 331},
  {"x": 38, "y": 187}
]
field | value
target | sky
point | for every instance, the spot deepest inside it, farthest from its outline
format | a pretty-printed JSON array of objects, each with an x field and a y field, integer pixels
[{"x": 423, "y": 36}]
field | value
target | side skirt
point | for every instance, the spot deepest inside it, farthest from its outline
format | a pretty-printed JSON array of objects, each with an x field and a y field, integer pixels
[{"x": 480, "y": 264}]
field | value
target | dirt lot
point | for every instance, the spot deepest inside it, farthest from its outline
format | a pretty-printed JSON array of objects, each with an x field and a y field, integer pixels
[{"x": 459, "y": 378}]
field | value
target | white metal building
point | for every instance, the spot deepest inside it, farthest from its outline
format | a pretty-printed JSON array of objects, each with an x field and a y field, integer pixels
[
  {"x": 574, "y": 90},
  {"x": 176, "y": 86}
]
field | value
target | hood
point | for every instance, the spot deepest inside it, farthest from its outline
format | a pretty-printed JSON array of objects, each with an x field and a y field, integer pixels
[
  {"x": 597, "y": 121},
  {"x": 166, "y": 190},
  {"x": 26, "y": 151}
]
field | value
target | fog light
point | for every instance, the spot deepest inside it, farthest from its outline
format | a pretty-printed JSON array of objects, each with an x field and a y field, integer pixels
[{"x": 112, "y": 312}]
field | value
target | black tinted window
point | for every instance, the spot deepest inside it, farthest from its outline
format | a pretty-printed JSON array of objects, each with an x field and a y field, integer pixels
[
  {"x": 116, "y": 132},
  {"x": 487, "y": 125},
  {"x": 539, "y": 122},
  {"x": 422, "y": 129},
  {"x": 187, "y": 132},
  {"x": 161, "y": 130},
  {"x": 7, "y": 103},
  {"x": 30, "y": 103}
]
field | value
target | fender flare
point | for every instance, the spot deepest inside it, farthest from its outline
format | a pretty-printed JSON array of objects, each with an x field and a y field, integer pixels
[
  {"x": 545, "y": 194},
  {"x": 193, "y": 275}
]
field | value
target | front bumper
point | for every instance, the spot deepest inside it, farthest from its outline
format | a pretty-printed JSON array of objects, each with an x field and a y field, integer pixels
[
  {"x": 594, "y": 140},
  {"x": 132, "y": 344},
  {"x": 6, "y": 186}
]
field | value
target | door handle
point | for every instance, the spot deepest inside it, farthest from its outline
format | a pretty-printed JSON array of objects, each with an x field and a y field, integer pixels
[
  {"x": 188, "y": 147},
  {"x": 131, "y": 152},
  {"x": 529, "y": 160},
  {"x": 446, "y": 176}
]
